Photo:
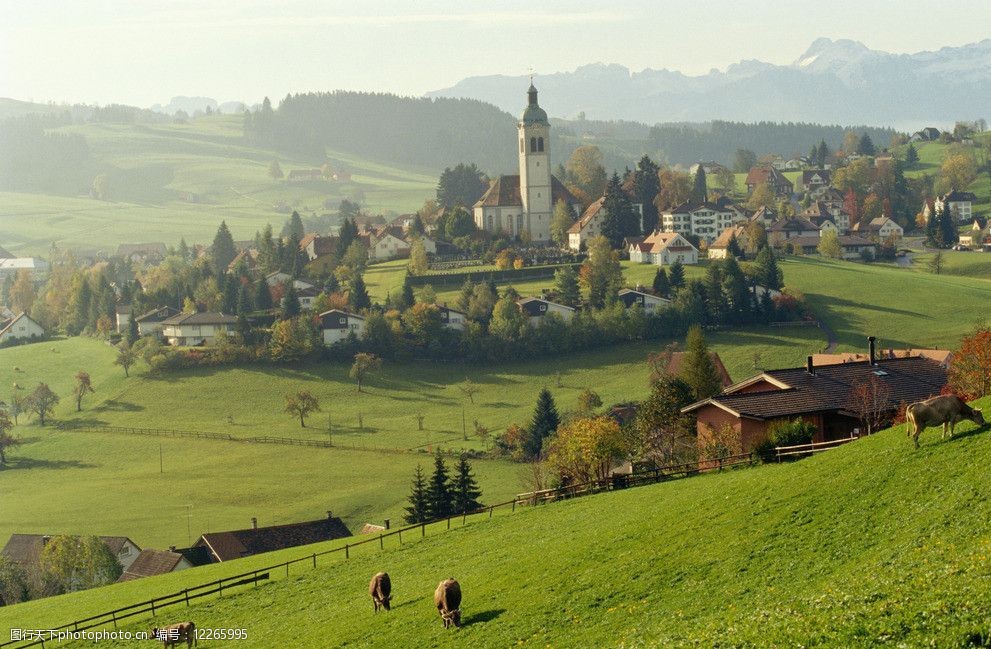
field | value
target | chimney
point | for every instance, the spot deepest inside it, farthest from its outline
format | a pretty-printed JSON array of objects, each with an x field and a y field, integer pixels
[
  {"x": 809, "y": 367},
  {"x": 871, "y": 343},
  {"x": 330, "y": 515},
  {"x": 387, "y": 523},
  {"x": 254, "y": 523},
  {"x": 171, "y": 548},
  {"x": 45, "y": 539}
]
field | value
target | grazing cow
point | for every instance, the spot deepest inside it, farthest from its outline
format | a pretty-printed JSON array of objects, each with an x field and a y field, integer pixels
[
  {"x": 380, "y": 588},
  {"x": 175, "y": 633},
  {"x": 447, "y": 597},
  {"x": 946, "y": 410}
]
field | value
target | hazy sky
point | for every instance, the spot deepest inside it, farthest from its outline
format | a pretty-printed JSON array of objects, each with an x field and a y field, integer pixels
[{"x": 143, "y": 52}]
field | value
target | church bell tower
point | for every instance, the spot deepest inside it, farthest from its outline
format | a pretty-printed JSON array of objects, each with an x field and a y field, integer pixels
[{"x": 535, "y": 169}]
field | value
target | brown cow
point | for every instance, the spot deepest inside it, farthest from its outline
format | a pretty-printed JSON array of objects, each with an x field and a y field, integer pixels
[
  {"x": 946, "y": 410},
  {"x": 380, "y": 588},
  {"x": 175, "y": 633},
  {"x": 447, "y": 597}
]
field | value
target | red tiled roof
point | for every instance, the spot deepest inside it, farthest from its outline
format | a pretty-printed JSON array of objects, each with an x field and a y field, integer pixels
[
  {"x": 587, "y": 216},
  {"x": 225, "y": 546}
]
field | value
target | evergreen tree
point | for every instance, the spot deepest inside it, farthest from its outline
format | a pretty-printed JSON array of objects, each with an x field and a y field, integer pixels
[
  {"x": 464, "y": 298},
  {"x": 84, "y": 299},
  {"x": 946, "y": 230},
  {"x": 714, "y": 302},
  {"x": 545, "y": 421},
  {"x": 294, "y": 227},
  {"x": 244, "y": 303},
  {"x": 183, "y": 250},
  {"x": 823, "y": 155},
  {"x": 698, "y": 370},
  {"x": 676, "y": 275},
  {"x": 736, "y": 292},
  {"x": 290, "y": 302},
  {"x": 733, "y": 248},
  {"x": 700, "y": 190},
  {"x": 440, "y": 500},
  {"x": 620, "y": 220},
  {"x": 646, "y": 187},
  {"x": 407, "y": 296},
  {"x": 566, "y": 284},
  {"x": 911, "y": 155},
  {"x": 263, "y": 296},
  {"x": 229, "y": 287},
  {"x": 465, "y": 490},
  {"x": 358, "y": 294},
  {"x": 766, "y": 270},
  {"x": 347, "y": 234},
  {"x": 461, "y": 186},
  {"x": 865, "y": 146},
  {"x": 661, "y": 285},
  {"x": 132, "y": 330},
  {"x": 417, "y": 511},
  {"x": 223, "y": 249}
]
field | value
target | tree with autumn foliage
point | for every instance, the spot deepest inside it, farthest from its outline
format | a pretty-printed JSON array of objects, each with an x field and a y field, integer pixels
[
  {"x": 970, "y": 373},
  {"x": 585, "y": 448},
  {"x": 871, "y": 399},
  {"x": 851, "y": 206}
]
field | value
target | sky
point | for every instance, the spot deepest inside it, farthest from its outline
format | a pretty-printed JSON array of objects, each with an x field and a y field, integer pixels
[{"x": 142, "y": 52}]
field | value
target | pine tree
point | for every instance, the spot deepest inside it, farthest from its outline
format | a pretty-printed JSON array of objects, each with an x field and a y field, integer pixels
[
  {"x": 911, "y": 155},
  {"x": 358, "y": 294},
  {"x": 865, "y": 146},
  {"x": 417, "y": 511},
  {"x": 932, "y": 228},
  {"x": 646, "y": 187},
  {"x": 947, "y": 233},
  {"x": 700, "y": 191},
  {"x": 464, "y": 298},
  {"x": 676, "y": 275},
  {"x": 244, "y": 304},
  {"x": 714, "y": 302},
  {"x": 733, "y": 248},
  {"x": 132, "y": 330},
  {"x": 620, "y": 220},
  {"x": 223, "y": 249},
  {"x": 661, "y": 285},
  {"x": 465, "y": 490},
  {"x": 290, "y": 302},
  {"x": 440, "y": 500},
  {"x": 698, "y": 370},
  {"x": 408, "y": 298},
  {"x": 263, "y": 296},
  {"x": 295, "y": 226},
  {"x": 766, "y": 270},
  {"x": 566, "y": 284},
  {"x": 545, "y": 421}
]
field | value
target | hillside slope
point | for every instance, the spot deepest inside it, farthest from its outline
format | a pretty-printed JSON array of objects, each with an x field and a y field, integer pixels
[{"x": 871, "y": 544}]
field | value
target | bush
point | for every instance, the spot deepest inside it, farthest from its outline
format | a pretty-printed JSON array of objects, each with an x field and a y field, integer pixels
[{"x": 784, "y": 433}]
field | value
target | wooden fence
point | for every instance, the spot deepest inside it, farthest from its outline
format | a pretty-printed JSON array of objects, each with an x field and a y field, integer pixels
[{"x": 809, "y": 449}]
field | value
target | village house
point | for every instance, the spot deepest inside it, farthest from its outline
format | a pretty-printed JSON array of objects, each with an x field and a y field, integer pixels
[
  {"x": 10, "y": 266},
  {"x": 663, "y": 249},
  {"x": 764, "y": 215},
  {"x": 789, "y": 228},
  {"x": 979, "y": 234},
  {"x": 248, "y": 258},
  {"x": 142, "y": 253},
  {"x": 822, "y": 210},
  {"x": 20, "y": 327},
  {"x": 649, "y": 302},
  {"x": 122, "y": 318},
  {"x": 704, "y": 220},
  {"x": 852, "y": 247},
  {"x": 304, "y": 175},
  {"x": 195, "y": 329},
  {"x": 316, "y": 246},
  {"x": 881, "y": 228},
  {"x": 718, "y": 249},
  {"x": 942, "y": 356},
  {"x": 385, "y": 244},
  {"x": 815, "y": 181},
  {"x": 25, "y": 549},
  {"x": 226, "y": 546},
  {"x": 336, "y": 325},
  {"x": 535, "y": 308},
  {"x": 588, "y": 225},
  {"x": 151, "y": 323},
  {"x": 522, "y": 205},
  {"x": 452, "y": 318},
  {"x": 150, "y": 563},
  {"x": 307, "y": 296},
  {"x": 769, "y": 176},
  {"x": 961, "y": 205}
]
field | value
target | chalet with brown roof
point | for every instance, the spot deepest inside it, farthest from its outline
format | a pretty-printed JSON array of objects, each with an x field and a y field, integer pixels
[
  {"x": 769, "y": 176},
  {"x": 663, "y": 249},
  {"x": 880, "y": 229},
  {"x": 823, "y": 396},
  {"x": 535, "y": 308},
  {"x": 194, "y": 329},
  {"x": 851, "y": 246},
  {"x": 226, "y": 546},
  {"x": 815, "y": 180},
  {"x": 718, "y": 249},
  {"x": 821, "y": 211},
  {"x": 588, "y": 225},
  {"x": 150, "y": 323},
  {"x": 26, "y": 549},
  {"x": 150, "y": 563},
  {"x": 791, "y": 227}
]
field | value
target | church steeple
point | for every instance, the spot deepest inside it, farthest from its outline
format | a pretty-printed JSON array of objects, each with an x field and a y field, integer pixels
[
  {"x": 535, "y": 168},
  {"x": 533, "y": 114}
]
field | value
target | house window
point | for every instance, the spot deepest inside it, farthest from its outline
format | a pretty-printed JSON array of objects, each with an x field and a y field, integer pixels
[
  {"x": 540, "y": 144},
  {"x": 533, "y": 145}
]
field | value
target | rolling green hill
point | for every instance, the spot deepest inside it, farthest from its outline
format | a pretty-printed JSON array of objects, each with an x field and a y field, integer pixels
[
  {"x": 167, "y": 181},
  {"x": 871, "y": 544}
]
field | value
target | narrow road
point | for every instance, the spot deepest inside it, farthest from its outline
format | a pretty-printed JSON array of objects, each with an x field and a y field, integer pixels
[{"x": 831, "y": 341}]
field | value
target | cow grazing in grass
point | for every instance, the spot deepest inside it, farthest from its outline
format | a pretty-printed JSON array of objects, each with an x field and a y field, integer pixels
[
  {"x": 173, "y": 634},
  {"x": 380, "y": 588},
  {"x": 946, "y": 410},
  {"x": 447, "y": 597}
]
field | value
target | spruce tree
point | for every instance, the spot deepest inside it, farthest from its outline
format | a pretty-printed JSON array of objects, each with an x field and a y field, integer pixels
[
  {"x": 223, "y": 249},
  {"x": 229, "y": 287},
  {"x": 465, "y": 490},
  {"x": 263, "y": 296},
  {"x": 911, "y": 155},
  {"x": 661, "y": 285},
  {"x": 620, "y": 220},
  {"x": 733, "y": 248},
  {"x": 700, "y": 190},
  {"x": 545, "y": 421},
  {"x": 358, "y": 294},
  {"x": 865, "y": 146},
  {"x": 566, "y": 284},
  {"x": 244, "y": 303},
  {"x": 676, "y": 275},
  {"x": 440, "y": 500},
  {"x": 183, "y": 250},
  {"x": 407, "y": 295},
  {"x": 290, "y": 302},
  {"x": 346, "y": 235},
  {"x": 295, "y": 226},
  {"x": 132, "y": 330},
  {"x": 646, "y": 187},
  {"x": 698, "y": 370},
  {"x": 766, "y": 269},
  {"x": 947, "y": 228},
  {"x": 464, "y": 298},
  {"x": 417, "y": 511}
]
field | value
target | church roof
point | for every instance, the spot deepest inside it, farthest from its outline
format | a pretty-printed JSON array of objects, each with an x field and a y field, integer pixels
[{"x": 505, "y": 192}]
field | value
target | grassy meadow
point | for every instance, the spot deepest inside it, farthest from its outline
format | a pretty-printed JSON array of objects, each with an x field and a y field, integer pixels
[
  {"x": 871, "y": 544},
  {"x": 152, "y": 168}
]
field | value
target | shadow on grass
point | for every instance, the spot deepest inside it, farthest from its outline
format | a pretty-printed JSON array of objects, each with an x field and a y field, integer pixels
[
  {"x": 483, "y": 617},
  {"x": 119, "y": 406},
  {"x": 16, "y": 463},
  {"x": 408, "y": 602}
]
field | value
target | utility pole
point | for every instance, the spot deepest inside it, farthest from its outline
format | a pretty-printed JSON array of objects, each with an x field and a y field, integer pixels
[
  {"x": 464, "y": 423},
  {"x": 161, "y": 460}
]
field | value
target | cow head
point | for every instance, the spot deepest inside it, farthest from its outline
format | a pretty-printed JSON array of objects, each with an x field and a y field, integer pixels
[
  {"x": 456, "y": 617},
  {"x": 385, "y": 602},
  {"x": 977, "y": 417}
]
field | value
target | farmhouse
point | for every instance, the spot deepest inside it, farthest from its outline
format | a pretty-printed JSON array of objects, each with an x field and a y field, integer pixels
[
  {"x": 663, "y": 249},
  {"x": 142, "y": 253},
  {"x": 589, "y": 225},
  {"x": 769, "y": 176},
  {"x": 155, "y": 562},
  {"x": 814, "y": 181},
  {"x": 788, "y": 228},
  {"x": 647, "y": 301},
  {"x": 705, "y": 220},
  {"x": 26, "y": 549},
  {"x": 523, "y": 204},
  {"x": 880, "y": 228},
  {"x": 151, "y": 323},
  {"x": 316, "y": 246},
  {"x": 304, "y": 175},
  {"x": 20, "y": 327},
  {"x": 961, "y": 205},
  {"x": 718, "y": 249},
  {"x": 535, "y": 308},
  {"x": 823, "y": 210},
  {"x": 38, "y": 268},
  {"x": 225, "y": 546},
  {"x": 851, "y": 246},
  {"x": 337, "y": 325},
  {"x": 823, "y": 396},
  {"x": 193, "y": 329},
  {"x": 451, "y": 318}
]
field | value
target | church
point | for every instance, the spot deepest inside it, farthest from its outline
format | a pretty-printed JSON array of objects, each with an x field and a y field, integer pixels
[{"x": 521, "y": 205}]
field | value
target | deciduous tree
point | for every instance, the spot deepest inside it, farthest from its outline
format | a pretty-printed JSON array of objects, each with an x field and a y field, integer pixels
[
  {"x": 585, "y": 449},
  {"x": 84, "y": 384},
  {"x": 561, "y": 220},
  {"x": 829, "y": 245},
  {"x": 970, "y": 373},
  {"x": 364, "y": 364},
  {"x": 301, "y": 404},
  {"x": 41, "y": 402}
]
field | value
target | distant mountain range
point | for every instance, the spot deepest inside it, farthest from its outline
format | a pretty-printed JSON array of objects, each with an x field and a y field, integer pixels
[{"x": 833, "y": 82}]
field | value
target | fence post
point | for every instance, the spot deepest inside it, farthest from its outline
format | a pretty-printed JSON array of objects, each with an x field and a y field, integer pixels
[
  {"x": 314, "y": 560},
  {"x": 153, "y": 608},
  {"x": 186, "y": 593},
  {"x": 400, "y": 537},
  {"x": 114, "y": 614},
  {"x": 347, "y": 551},
  {"x": 423, "y": 530},
  {"x": 514, "y": 504},
  {"x": 448, "y": 522},
  {"x": 490, "y": 511},
  {"x": 381, "y": 542}
]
